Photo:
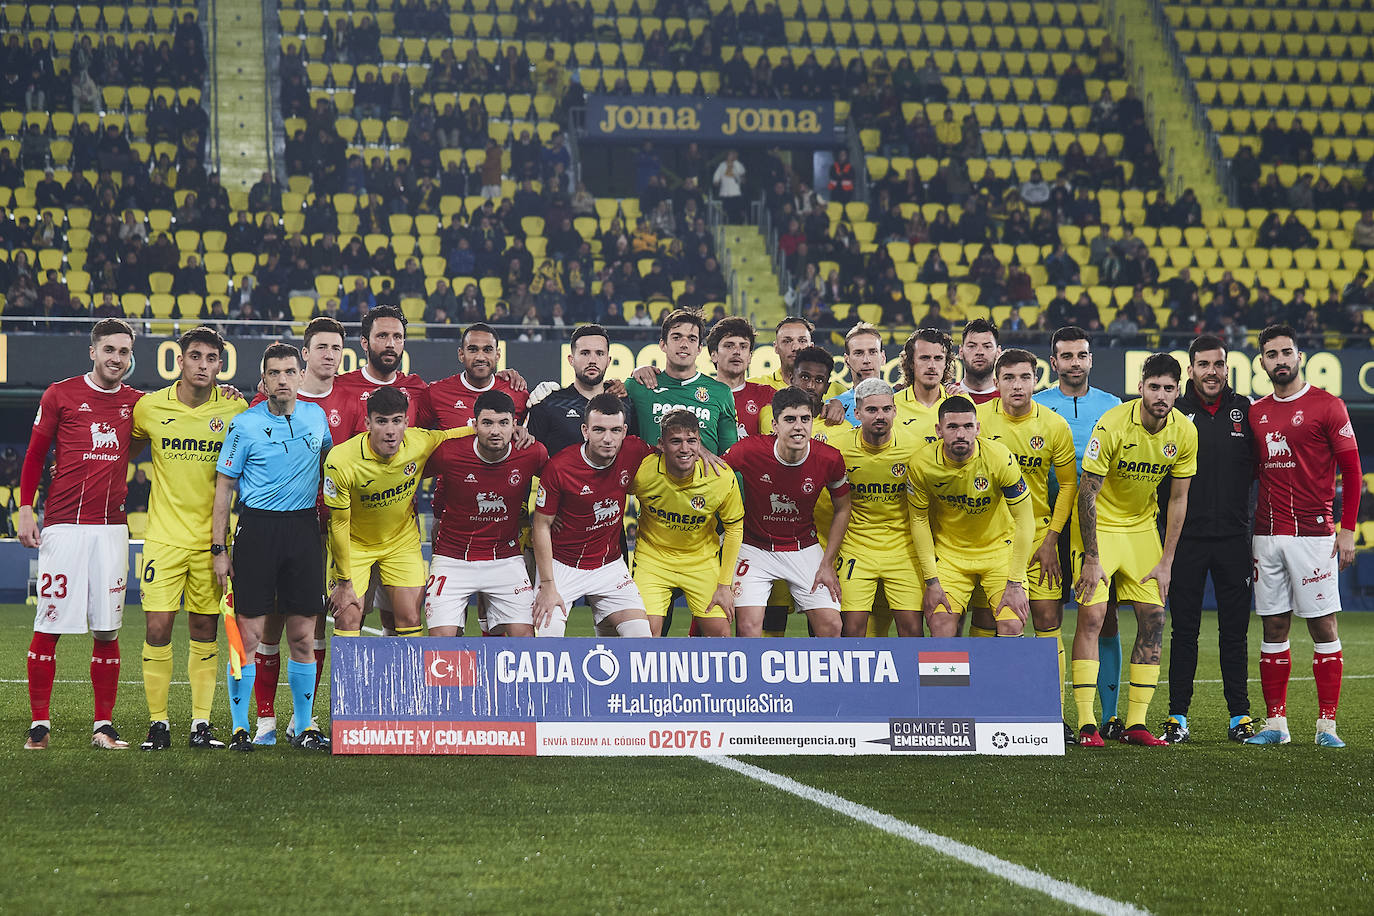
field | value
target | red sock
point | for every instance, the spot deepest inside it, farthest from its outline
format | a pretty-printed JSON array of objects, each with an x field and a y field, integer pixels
[
  {"x": 1327, "y": 667},
  {"x": 105, "y": 677},
  {"x": 320, "y": 653},
  {"x": 42, "y": 670},
  {"x": 1275, "y": 665},
  {"x": 265, "y": 687}
]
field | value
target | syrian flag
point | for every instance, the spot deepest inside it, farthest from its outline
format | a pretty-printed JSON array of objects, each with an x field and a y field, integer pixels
[{"x": 943, "y": 669}]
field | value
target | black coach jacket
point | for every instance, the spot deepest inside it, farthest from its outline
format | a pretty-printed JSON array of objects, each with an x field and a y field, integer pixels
[{"x": 1219, "y": 501}]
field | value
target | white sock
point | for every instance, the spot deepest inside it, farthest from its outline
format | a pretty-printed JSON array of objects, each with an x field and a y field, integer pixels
[
  {"x": 1276, "y": 723},
  {"x": 46, "y": 723},
  {"x": 101, "y": 723},
  {"x": 319, "y": 644},
  {"x": 269, "y": 650},
  {"x": 1326, "y": 725},
  {"x": 634, "y": 629},
  {"x": 197, "y": 723},
  {"x": 169, "y": 724}
]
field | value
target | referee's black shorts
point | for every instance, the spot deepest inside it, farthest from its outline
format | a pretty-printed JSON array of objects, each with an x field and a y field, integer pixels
[{"x": 278, "y": 563}]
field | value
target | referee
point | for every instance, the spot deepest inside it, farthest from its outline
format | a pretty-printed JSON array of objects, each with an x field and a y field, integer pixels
[
  {"x": 272, "y": 453},
  {"x": 1215, "y": 540}
]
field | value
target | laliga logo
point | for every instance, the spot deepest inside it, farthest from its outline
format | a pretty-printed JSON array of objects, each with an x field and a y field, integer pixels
[
  {"x": 600, "y": 666},
  {"x": 1000, "y": 740}
]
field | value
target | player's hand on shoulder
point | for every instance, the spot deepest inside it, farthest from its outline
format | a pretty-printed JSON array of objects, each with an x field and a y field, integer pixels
[
  {"x": 541, "y": 391},
  {"x": 616, "y": 387},
  {"x": 833, "y": 412},
  {"x": 232, "y": 393},
  {"x": 646, "y": 376},
  {"x": 522, "y": 439},
  {"x": 714, "y": 463},
  {"x": 513, "y": 378}
]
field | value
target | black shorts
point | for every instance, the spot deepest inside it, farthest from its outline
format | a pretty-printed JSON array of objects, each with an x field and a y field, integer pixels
[{"x": 278, "y": 564}]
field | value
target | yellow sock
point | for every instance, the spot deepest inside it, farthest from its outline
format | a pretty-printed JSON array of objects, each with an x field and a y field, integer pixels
[
  {"x": 338, "y": 632},
  {"x": 879, "y": 622},
  {"x": 1056, "y": 635},
  {"x": 202, "y": 670},
  {"x": 1085, "y": 690},
  {"x": 980, "y": 632},
  {"x": 157, "y": 679},
  {"x": 410, "y": 631},
  {"x": 1143, "y": 681}
]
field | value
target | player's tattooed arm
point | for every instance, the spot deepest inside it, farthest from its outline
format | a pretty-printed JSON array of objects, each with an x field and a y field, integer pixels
[{"x": 1088, "y": 487}]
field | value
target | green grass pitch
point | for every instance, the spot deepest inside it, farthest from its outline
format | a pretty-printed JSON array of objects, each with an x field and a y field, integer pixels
[{"x": 1207, "y": 827}]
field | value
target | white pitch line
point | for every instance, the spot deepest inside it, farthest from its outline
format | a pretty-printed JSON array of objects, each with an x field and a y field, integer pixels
[{"x": 1019, "y": 875}]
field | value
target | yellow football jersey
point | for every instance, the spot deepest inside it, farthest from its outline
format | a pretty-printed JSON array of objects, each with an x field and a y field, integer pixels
[
  {"x": 677, "y": 519},
  {"x": 916, "y": 416},
  {"x": 966, "y": 503},
  {"x": 1041, "y": 441},
  {"x": 778, "y": 383},
  {"x": 1132, "y": 462},
  {"x": 879, "y": 521},
  {"x": 379, "y": 493},
  {"x": 185, "y": 443}
]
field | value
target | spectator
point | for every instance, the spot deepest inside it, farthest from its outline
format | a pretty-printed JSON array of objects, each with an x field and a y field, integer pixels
[
  {"x": 729, "y": 181},
  {"x": 934, "y": 319},
  {"x": 1362, "y": 235},
  {"x": 1034, "y": 190}
]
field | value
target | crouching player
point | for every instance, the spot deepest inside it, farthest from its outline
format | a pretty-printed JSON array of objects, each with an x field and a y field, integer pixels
[
  {"x": 970, "y": 507},
  {"x": 782, "y": 477},
  {"x": 369, "y": 487},
  {"x": 486, "y": 485},
  {"x": 680, "y": 502},
  {"x": 583, "y": 492}
]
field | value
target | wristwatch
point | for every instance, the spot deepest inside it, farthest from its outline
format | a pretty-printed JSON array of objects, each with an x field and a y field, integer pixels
[{"x": 217, "y": 549}]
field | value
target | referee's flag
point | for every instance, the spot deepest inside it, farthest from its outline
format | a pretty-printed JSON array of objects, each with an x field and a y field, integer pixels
[{"x": 237, "y": 658}]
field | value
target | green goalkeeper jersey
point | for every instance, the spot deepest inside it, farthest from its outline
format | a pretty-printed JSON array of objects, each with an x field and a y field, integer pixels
[{"x": 710, "y": 400}]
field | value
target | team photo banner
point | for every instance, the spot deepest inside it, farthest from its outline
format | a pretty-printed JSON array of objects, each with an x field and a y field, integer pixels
[
  {"x": 691, "y": 118},
  {"x": 654, "y": 697}
]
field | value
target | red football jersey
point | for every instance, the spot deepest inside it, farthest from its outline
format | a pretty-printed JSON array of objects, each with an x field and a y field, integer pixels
[
  {"x": 452, "y": 399},
  {"x": 360, "y": 383},
  {"x": 779, "y": 499},
  {"x": 977, "y": 397},
  {"x": 481, "y": 518},
  {"x": 91, "y": 428},
  {"x": 1297, "y": 440},
  {"x": 750, "y": 399},
  {"x": 589, "y": 502}
]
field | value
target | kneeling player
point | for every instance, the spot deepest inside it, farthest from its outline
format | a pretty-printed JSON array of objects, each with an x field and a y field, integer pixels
[
  {"x": 782, "y": 477},
  {"x": 971, "y": 509},
  {"x": 583, "y": 491},
  {"x": 477, "y": 542},
  {"x": 1134, "y": 447},
  {"x": 678, "y": 548},
  {"x": 369, "y": 487}
]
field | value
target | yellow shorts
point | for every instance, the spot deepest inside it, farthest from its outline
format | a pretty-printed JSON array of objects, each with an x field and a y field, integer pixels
[
  {"x": 973, "y": 579},
  {"x": 860, "y": 575},
  {"x": 656, "y": 584},
  {"x": 402, "y": 567},
  {"x": 171, "y": 574},
  {"x": 1126, "y": 558},
  {"x": 1035, "y": 591}
]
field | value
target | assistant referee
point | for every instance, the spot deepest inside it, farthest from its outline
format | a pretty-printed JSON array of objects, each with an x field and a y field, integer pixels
[{"x": 272, "y": 454}]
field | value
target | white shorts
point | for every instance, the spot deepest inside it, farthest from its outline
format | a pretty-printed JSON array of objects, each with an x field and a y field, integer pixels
[
  {"x": 608, "y": 590},
  {"x": 504, "y": 583},
  {"x": 758, "y": 569},
  {"x": 83, "y": 571},
  {"x": 1296, "y": 574}
]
